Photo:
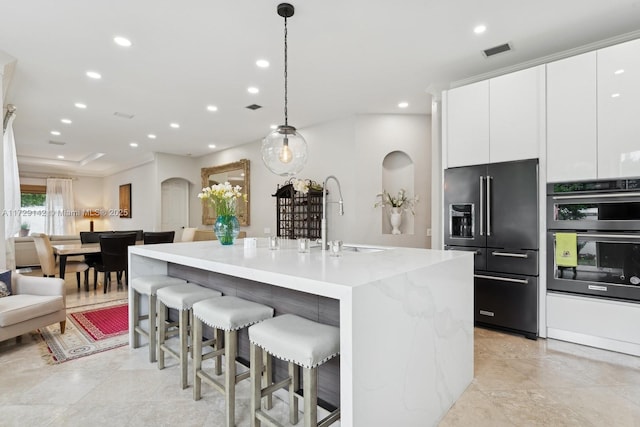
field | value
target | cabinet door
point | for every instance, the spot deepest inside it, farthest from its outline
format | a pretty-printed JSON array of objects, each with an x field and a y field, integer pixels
[
  {"x": 517, "y": 115},
  {"x": 618, "y": 100},
  {"x": 468, "y": 125},
  {"x": 571, "y": 119}
]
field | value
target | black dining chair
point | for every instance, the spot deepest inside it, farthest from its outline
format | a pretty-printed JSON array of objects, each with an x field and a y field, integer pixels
[
  {"x": 153, "y": 237},
  {"x": 90, "y": 259},
  {"x": 114, "y": 257}
]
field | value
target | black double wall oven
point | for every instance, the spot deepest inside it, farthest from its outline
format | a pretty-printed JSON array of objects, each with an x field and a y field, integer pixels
[
  {"x": 604, "y": 217},
  {"x": 492, "y": 210}
]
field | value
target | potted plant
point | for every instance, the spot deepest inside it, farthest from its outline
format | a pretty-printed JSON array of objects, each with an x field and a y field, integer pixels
[{"x": 24, "y": 229}]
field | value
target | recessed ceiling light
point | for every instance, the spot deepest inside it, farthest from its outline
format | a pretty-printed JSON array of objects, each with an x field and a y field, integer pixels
[
  {"x": 253, "y": 89},
  {"x": 151, "y": 136},
  {"x": 615, "y": 95},
  {"x": 80, "y": 105},
  {"x": 619, "y": 71},
  {"x": 174, "y": 125},
  {"x": 274, "y": 127},
  {"x": 403, "y": 104},
  {"x": 61, "y": 156},
  {"x": 94, "y": 75},
  {"x": 479, "y": 29},
  {"x": 66, "y": 121},
  {"x": 133, "y": 144},
  {"x": 212, "y": 145},
  {"x": 122, "y": 41},
  {"x": 55, "y": 132},
  {"x": 262, "y": 63},
  {"x": 212, "y": 108}
]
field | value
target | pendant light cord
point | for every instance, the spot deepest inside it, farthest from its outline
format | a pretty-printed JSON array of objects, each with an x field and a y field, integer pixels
[{"x": 286, "y": 118}]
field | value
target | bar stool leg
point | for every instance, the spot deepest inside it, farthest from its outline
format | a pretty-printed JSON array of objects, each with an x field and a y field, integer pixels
[
  {"x": 162, "y": 332},
  {"x": 184, "y": 346},
  {"x": 310, "y": 384},
  {"x": 196, "y": 333},
  {"x": 230, "y": 350},
  {"x": 267, "y": 378},
  {"x": 153, "y": 309},
  {"x": 218, "y": 334},
  {"x": 136, "y": 318},
  {"x": 293, "y": 399},
  {"x": 255, "y": 362}
]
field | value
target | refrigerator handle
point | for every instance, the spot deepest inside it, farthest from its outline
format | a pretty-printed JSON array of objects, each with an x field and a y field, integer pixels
[
  {"x": 482, "y": 205},
  {"x": 488, "y": 205}
]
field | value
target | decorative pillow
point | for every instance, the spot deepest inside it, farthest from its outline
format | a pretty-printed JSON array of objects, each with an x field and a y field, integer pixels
[{"x": 5, "y": 283}]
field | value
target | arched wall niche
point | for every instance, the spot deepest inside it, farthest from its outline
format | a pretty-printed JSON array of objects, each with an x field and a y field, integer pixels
[{"x": 398, "y": 174}]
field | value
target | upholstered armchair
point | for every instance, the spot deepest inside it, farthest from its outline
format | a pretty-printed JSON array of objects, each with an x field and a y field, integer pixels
[{"x": 34, "y": 302}]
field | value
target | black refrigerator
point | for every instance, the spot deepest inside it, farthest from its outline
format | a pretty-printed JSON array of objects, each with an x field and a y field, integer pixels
[{"x": 492, "y": 210}]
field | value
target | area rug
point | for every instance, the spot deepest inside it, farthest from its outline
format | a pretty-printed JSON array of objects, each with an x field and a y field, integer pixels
[{"x": 89, "y": 330}]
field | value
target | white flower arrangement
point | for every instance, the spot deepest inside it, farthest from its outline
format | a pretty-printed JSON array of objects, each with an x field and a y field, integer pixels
[
  {"x": 222, "y": 197},
  {"x": 303, "y": 185},
  {"x": 400, "y": 201}
]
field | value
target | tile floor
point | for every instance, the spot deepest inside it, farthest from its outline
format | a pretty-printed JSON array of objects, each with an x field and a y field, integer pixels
[{"x": 518, "y": 382}]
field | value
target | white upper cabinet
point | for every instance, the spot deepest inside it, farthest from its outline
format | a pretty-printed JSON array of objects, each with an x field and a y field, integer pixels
[
  {"x": 517, "y": 115},
  {"x": 496, "y": 120},
  {"x": 468, "y": 125},
  {"x": 572, "y": 152},
  {"x": 618, "y": 110}
]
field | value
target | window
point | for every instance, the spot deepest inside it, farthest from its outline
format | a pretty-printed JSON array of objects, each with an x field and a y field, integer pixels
[{"x": 32, "y": 203}]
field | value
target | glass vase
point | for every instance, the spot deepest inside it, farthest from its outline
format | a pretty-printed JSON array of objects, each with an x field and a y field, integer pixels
[{"x": 226, "y": 228}]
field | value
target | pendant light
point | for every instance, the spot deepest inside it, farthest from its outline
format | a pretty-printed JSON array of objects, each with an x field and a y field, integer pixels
[{"x": 284, "y": 151}]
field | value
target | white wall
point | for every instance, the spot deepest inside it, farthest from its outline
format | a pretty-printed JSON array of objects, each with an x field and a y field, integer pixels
[
  {"x": 352, "y": 149},
  {"x": 145, "y": 199}
]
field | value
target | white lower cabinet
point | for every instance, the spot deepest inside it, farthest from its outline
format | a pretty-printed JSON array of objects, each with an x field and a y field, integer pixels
[{"x": 611, "y": 325}]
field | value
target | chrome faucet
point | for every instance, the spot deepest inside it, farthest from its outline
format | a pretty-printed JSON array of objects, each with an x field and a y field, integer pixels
[{"x": 323, "y": 223}]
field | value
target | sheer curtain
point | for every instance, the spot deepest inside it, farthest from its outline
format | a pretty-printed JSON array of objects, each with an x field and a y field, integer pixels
[
  {"x": 60, "y": 218},
  {"x": 11, "y": 191}
]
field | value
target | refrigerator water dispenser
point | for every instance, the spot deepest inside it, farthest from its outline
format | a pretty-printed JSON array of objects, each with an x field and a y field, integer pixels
[{"x": 461, "y": 221}]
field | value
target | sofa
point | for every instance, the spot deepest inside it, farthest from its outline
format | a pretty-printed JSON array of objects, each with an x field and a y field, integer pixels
[
  {"x": 34, "y": 302},
  {"x": 26, "y": 255}
]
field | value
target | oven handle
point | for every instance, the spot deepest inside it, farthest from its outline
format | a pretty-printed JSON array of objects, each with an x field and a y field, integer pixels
[
  {"x": 509, "y": 254},
  {"x": 502, "y": 279},
  {"x": 609, "y": 236},
  {"x": 593, "y": 196}
]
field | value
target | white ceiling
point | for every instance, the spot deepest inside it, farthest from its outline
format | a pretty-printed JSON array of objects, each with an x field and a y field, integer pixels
[{"x": 345, "y": 57}]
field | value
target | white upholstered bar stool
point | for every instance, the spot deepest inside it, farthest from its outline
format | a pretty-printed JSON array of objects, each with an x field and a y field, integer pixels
[
  {"x": 149, "y": 285},
  {"x": 181, "y": 298},
  {"x": 301, "y": 342},
  {"x": 228, "y": 314}
]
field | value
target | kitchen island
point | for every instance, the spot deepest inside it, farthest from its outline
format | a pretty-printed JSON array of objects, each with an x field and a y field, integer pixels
[{"x": 405, "y": 315}]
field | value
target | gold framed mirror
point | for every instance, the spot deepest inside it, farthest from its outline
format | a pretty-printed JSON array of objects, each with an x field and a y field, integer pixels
[{"x": 236, "y": 173}]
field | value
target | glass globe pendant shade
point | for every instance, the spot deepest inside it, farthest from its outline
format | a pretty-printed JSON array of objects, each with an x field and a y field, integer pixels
[{"x": 284, "y": 151}]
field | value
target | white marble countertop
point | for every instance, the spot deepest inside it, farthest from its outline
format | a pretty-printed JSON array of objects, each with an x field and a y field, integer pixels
[{"x": 315, "y": 272}]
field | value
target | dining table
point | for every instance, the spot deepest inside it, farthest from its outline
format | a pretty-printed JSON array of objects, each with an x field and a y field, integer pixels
[{"x": 72, "y": 249}]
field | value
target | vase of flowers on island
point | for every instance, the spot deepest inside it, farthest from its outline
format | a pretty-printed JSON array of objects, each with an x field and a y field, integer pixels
[
  {"x": 222, "y": 198},
  {"x": 396, "y": 206}
]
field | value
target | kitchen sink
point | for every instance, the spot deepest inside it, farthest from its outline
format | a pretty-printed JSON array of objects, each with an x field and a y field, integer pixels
[{"x": 361, "y": 249}]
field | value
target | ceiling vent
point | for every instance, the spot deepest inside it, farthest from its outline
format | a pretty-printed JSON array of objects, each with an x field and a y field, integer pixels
[
  {"x": 57, "y": 142},
  {"x": 123, "y": 115},
  {"x": 497, "y": 49},
  {"x": 254, "y": 106}
]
